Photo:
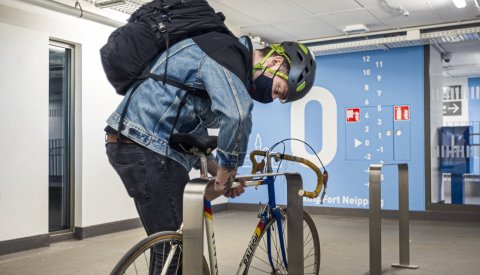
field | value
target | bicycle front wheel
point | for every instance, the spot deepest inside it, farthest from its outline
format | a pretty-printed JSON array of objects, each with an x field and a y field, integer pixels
[
  {"x": 138, "y": 260},
  {"x": 260, "y": 262}
]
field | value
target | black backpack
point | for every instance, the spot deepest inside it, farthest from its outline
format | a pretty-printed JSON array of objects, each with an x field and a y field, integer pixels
[{"x": 150, "y": 31}]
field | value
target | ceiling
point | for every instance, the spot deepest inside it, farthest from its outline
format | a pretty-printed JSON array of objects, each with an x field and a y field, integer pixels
[
  {"x": 279, "y": 20},
  {"x": 311, "y": 21},
  {"x": 464, "y": 59}
]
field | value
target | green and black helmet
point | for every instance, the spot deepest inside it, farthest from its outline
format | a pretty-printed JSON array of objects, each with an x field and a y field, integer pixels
[
  {"x": 302, "y": 70},
  {"x": 301, "y": 76}
]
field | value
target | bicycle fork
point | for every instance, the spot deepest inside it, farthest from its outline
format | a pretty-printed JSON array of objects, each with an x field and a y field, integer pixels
[
  {"x": 278, "y": 219},
  {"x": 278, "y": 216}
]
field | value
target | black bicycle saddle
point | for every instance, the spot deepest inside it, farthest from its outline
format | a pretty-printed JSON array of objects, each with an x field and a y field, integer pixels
[{"x": 186, "y": 142}]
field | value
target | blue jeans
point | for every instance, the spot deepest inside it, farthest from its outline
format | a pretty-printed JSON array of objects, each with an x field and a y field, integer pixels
[{"x": 156, "y": 184}]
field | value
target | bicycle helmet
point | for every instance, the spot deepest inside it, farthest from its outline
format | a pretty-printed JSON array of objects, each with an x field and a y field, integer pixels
[
  {"x": 302, "y": 70},
  {"x": 301, "y": 76}
]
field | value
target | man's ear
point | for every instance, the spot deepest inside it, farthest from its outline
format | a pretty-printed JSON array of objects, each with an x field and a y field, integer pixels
[
  {"x": 278, "y": 60},
  {"x": 274, "y": 62}
]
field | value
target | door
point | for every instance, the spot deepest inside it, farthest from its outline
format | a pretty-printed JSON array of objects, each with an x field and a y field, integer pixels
[{"x": 60, "y": 136}]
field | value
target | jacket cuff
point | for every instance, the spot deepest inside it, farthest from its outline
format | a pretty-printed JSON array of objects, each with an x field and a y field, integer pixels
[{"x": 227, "y": 159}]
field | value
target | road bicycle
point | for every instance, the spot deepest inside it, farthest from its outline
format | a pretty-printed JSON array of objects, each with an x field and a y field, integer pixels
[{"x": 266, "y": 252}]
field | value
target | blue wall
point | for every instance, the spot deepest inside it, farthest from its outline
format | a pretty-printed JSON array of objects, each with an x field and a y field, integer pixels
[
  {"x": 375, "y": 82},
  {"x": 474, "y": 117}
]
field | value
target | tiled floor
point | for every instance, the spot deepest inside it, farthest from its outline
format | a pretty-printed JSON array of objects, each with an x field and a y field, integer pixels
[{"x": 437, "y": 247}]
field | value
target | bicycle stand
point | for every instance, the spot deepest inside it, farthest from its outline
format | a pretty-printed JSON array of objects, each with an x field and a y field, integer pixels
[
  {"x": 193, "y": 226},
  {"x": 375, "y": 226}
]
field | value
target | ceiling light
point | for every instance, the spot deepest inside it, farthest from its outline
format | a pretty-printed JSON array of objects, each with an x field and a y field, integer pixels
[
  {"x": 355, "y": 28},
  {"x": 459, "y": 3},
  {"x": 258, "y": 42},
  {"x": 108, "y": 3}
]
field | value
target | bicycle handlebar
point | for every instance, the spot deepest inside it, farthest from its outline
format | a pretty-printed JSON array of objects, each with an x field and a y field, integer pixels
[{"x": 322, "y": 178}]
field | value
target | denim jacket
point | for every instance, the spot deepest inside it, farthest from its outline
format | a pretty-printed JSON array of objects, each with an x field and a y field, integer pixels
[{"x": 153, "y": 106}]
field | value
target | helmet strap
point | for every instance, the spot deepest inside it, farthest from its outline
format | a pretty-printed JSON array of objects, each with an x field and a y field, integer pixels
[{"x": 260, "y": 65}]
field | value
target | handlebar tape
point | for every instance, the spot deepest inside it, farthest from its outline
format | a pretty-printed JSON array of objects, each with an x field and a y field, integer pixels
[{"x": 258, "y": 167}]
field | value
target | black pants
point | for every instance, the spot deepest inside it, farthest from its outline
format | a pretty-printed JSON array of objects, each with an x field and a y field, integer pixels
[{"x": 156, "y": 184}]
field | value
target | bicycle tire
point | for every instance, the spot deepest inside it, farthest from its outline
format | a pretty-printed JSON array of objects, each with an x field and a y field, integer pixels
[
  {"x": 129, "y": 261},
  {"x": 259, "y": 263}
]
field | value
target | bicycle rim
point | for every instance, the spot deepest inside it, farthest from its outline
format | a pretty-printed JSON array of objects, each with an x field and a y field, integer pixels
[
  {"x": 260, "y": 263},
  {"x": 138, "y": 259}
]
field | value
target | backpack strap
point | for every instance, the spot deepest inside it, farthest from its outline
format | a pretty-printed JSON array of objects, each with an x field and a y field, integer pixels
[
  {"x": 182, "y": 103},
  {"x": 124, "y": 111},
  {"x": 160, "y": 31},
  {"x": 170, "y": 81}
]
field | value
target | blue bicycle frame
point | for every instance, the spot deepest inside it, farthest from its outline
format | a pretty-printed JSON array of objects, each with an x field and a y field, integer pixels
[
  {"x": 270, "y": 181},
  {"x": 268, "y": 213}
]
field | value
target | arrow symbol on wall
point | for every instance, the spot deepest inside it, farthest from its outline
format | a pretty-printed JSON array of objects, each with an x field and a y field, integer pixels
[
  {"x": 379, "y": 77},
  {"x": 357, "y": 143},
  {"x": 454, "y": 108}
]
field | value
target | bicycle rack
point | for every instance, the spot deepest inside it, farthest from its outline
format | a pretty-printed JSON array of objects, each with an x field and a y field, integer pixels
[
  {"x": 193, "y": 226},
  {"x": 374, "y": 175}
]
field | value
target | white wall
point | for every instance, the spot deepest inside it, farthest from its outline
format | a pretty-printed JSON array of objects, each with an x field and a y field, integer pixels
[
  {"x": 24, "y": 133},
  {"x": 100, "y": 197}
]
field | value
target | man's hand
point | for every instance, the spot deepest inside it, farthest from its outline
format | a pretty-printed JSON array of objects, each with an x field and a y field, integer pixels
[
  {"x": 223, "y": 181},
  {"x": 237, "y": 191}
]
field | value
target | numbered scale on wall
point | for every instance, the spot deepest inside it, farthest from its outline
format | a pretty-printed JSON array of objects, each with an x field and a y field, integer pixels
[
  {"x": 376, "y": 131},
  {"x": 380, "y": 102}
]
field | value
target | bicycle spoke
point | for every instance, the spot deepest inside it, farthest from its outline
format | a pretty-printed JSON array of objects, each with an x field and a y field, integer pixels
[
  {"x": 135, "y": 266},
  {"x": 306, "y": 242},
  {"x": 265, "y": 262},
  {"x": 260, "y": 262},
  {"x": 135, "y": 263},
  {"x": 261, "y": 270},
  {"x": 176, "y": 270},
  {"x": 265, "y": 252},
  {"x": 180, "y": 260},
  {"x": 145, "y": 257},
  {"x": 306, "y": 237},
  {"x": 265, "y": 245},
  {"x": 309, "y": 252},
  {"x": 163, "y": 254}
]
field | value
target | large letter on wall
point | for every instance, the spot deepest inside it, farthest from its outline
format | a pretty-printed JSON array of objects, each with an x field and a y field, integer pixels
[{"x": 329, "y": 122}]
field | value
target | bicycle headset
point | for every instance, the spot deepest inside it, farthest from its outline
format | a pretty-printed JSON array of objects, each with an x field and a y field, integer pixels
[{"x": 301, "y": 75}]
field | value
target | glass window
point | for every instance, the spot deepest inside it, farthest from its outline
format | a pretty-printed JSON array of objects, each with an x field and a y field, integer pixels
[{"x": 455, "y": 127}]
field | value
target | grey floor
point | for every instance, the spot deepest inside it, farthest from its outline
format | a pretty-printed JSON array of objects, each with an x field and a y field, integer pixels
[{"x": 437, "y": 247}]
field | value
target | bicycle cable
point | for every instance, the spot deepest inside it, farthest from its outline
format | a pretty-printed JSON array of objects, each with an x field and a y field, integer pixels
[{"x": 294, "y": 139}]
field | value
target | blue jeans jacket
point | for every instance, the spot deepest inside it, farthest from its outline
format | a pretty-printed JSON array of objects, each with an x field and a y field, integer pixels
[{"x": 153, "y": 106}]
